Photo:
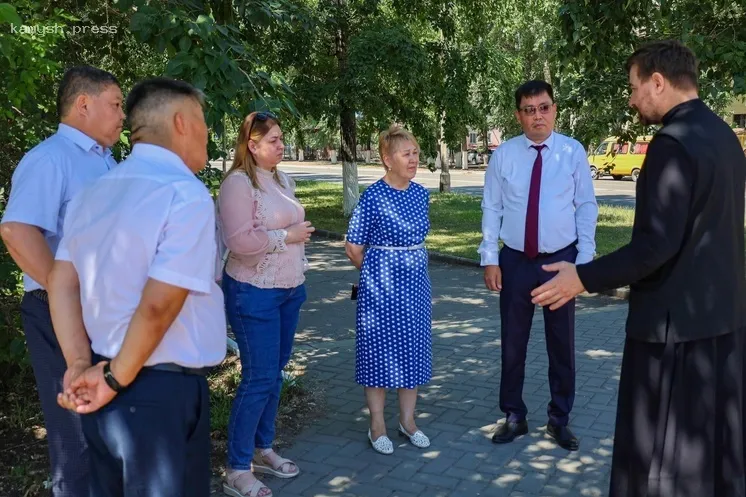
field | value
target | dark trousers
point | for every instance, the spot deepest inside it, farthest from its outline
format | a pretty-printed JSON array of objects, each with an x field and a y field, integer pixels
[
  {"x": 152, "y": 439},
  {"x": 520, "y": 276},
  {"x": 679, "y": 426},
  {"x": 68, "y": 453}
]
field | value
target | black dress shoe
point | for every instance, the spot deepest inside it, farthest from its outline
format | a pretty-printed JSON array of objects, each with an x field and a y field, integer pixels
[
  {"x": 509, "y": 430},
  {"x": 563, "y": 436}
]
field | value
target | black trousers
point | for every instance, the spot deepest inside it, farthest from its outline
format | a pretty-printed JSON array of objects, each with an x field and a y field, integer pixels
[
  {"x": 680, "y": 419},
  {"x": 520, "y": 276}
]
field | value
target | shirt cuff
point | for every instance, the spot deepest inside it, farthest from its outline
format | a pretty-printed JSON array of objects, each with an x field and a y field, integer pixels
[
  {"x": 583, "y": 258},
  {"x": 277, "y": 240},
  {"x": 489, "y": 257}
]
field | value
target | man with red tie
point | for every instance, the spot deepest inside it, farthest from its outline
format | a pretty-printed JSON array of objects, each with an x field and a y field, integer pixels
[{"x": 539, "y": 200}]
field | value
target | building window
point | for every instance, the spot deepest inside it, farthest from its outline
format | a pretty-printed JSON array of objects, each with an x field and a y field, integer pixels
[
  {"x": 473, "y": 138},
  {"x": 739, "y": 120}
]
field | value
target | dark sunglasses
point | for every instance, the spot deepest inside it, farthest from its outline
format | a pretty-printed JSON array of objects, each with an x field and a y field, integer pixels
[{"x": 262, "y": 116}]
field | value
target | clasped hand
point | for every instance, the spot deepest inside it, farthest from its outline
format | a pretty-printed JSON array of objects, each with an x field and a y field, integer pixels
[
  {"x": 299, "y": 233},
  {"x": 84, "y": 389}
]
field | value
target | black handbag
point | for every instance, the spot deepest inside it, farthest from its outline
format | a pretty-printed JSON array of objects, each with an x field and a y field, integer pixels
[{"x": 353, "y": 294}]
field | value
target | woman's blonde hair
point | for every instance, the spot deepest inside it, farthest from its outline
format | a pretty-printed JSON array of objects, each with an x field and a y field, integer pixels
[
  {"x": 389, "y": 140},
  {"x": 243, "y": 159}
]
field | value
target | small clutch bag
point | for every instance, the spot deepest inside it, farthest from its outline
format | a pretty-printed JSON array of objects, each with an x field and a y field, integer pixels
[{"x": 353, "y": 295}]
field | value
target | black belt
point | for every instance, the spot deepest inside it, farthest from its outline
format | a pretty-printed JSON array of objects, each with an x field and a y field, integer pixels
[
  {"x": 169, "y": 367},
  {"x": 543, "y": 255},
  {"x": 40, "y": 294}
]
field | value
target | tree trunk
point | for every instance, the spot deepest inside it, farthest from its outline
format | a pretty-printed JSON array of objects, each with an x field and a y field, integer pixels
[
  {"x": 348, "y": 152},
  {"x": 225, "y": 151},
  {"x": 547, "y": 72},
  {"x": 222, "y": 11},
  {"x": 445, "y": 175},
  {"x": 351, "y": 193}
]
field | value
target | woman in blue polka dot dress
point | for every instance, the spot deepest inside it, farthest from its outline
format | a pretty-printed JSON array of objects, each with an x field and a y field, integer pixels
[{"x": 386, "y": 241}]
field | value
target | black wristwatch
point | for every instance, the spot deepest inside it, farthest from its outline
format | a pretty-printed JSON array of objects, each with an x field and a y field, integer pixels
[{"x": 110, "y": 380}]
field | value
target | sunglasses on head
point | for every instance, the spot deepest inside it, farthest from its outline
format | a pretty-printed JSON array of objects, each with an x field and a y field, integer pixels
[{"x": 262, "y": 116}]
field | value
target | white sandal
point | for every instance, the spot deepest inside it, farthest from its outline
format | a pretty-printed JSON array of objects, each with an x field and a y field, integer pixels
[
  {"x": 418, "y": 439},
  {"x": 259, "y": 465},
  {"x": 383, "y": 445},
  {"x": 237, "y": 488}
]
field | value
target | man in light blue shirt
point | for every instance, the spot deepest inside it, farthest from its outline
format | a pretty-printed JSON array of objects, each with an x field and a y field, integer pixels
[
  {"x": 89, "y": 103},
  {"x": 539, "y": 200},
  {"x": 133, "y": 296}
]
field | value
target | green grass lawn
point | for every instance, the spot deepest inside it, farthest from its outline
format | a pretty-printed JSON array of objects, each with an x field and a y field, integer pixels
[{"x": 455, "y": 219}]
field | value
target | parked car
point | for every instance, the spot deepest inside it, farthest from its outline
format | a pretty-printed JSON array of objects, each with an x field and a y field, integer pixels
[
  {"x": 619, "y": 160},
  {"x": 472, "y": 157}
]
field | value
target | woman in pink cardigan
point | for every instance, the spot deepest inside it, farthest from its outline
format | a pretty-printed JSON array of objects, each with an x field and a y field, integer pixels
[{"x": 263, "y": 227}]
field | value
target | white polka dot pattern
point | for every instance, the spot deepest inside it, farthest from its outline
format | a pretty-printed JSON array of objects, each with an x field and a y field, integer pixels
[{"x": 393, "y": 341}]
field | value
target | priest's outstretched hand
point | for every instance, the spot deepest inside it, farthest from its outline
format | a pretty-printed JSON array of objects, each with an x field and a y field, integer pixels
[{"x": 565, "y": 286}]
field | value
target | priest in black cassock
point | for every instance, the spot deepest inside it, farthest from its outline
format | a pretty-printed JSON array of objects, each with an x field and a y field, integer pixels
[{"x": 679, "y": 427}]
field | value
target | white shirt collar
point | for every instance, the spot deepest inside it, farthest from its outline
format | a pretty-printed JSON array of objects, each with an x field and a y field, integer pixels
[
  {"x": 549, "y": 142},
  {"x": 160, "y": 155}
]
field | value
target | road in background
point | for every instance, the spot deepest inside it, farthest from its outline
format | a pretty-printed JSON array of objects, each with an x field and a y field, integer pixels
[{"x": 471, "y": 181}]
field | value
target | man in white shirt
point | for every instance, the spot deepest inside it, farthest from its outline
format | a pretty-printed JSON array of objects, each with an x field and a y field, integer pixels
[
  {"x": 89, "y": 103},
  {"x": 539, "y": 200},
  {"x": 134, "y": 282}
]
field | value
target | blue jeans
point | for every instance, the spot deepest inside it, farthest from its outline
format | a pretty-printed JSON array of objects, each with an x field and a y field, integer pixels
[{"x": 264, "y": 322}]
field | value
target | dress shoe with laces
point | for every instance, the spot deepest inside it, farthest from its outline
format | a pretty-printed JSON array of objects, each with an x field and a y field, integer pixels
[
  {"x": 563, "y": 436},
  {"x": 509, "y": 430}
]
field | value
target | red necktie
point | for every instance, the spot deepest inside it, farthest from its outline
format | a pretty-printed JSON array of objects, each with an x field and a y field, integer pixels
[{"x": 531, "y": 241}]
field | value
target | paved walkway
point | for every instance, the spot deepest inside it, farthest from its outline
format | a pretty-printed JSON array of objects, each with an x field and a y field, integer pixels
[{"x": 458, "y": 409}]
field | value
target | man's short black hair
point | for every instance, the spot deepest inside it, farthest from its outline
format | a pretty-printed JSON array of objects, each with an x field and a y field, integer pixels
[
  {"x": 79, "y": 80},
  {"x": 532, "y": 88},
  {"x": 153, "y": 95},
  {"x": 671, "y": 58}
]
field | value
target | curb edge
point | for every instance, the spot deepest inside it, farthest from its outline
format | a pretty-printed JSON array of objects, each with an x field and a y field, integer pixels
[{"x": 621, "y": 293}]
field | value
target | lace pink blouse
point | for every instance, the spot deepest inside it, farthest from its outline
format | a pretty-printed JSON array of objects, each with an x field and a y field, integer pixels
[{"x": 253, "y": 223}]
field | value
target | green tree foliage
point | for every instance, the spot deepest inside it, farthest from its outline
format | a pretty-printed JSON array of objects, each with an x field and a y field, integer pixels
[
  {"x": 204, "y": 43},
  {"x": 28, "y": 67},
  {"x": 597, "y": 36}
]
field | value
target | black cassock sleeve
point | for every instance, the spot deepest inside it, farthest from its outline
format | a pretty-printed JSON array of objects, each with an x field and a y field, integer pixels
[{"x": 664, "y": 194}]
